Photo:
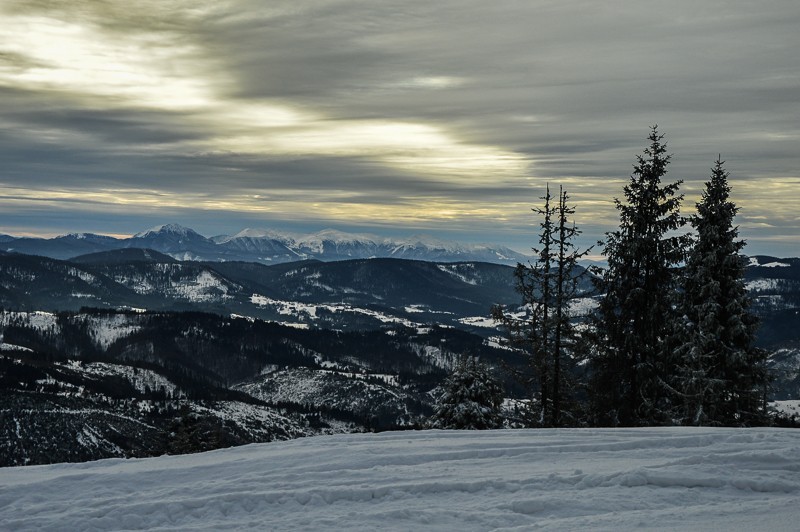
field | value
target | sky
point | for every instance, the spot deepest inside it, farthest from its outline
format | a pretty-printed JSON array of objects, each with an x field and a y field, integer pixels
[{"x": 446, "y": 118}]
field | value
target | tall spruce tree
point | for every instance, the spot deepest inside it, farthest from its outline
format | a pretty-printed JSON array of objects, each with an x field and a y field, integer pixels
[
  {"x": 547, "y": 287},
  {"x": 722, "y": 379},
  {"x": 565, "y": 341},
  {"x": 631, "y": 368}
]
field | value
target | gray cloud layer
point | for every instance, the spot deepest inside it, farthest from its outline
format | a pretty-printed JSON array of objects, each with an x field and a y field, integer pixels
[{"x": 446, "y": 117}]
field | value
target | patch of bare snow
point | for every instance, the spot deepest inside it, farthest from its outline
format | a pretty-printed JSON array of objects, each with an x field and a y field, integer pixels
[
  {"x": 13, "y": 347},
  {"x": 479, "y": 321},
  {"x": 80, "y": 295},
  {"x": 498, "y": 342},
  {"x": 298, "y": 309},
  {"x": 762, "y": 284},
  {"x": 107, "y": 329},
  {"x": 294, "y": 325},
  {"x": 452, "y": 269},
  {"x": 82, "y": 275},
  {"x": 205, "y": 287},
  {"x": 141, "y": 379},
  {"x": 39, "y": 320},
  {"x": 581, "y": 306},
  {"x": 789, "y": 407}
]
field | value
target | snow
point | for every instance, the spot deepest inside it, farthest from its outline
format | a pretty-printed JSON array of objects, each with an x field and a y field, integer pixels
[
  {"x": 427, "y": 242},
  {"x": 39, "y": 320},
  {"x": 350, "y": 389},
  {"x": 762, "y": 284},
  {"x": 479, "y": 321},
  {"x": 453, "y": 270},
  {"x": 317, "y": 240},
  {"x": 556, "y": 479},
  {"x": 498, "y": 342},
  {"x": 294, "y": 325},
  {"x": 582, "y": 306},
  {"x": 137, "y": 310},
  {"x": 79, "y": 295},
  {"x": 286, "y": 308},
  {"x": 309, "y": 311},
  {"x": 262, "y": 233},
  {"x": 13, "y": 347},
  {"x": 789, "y": 407},
  {"x": 107, "y": 329},
  {"x": 82, "y": 275},
  {"x": 186, "y": 256},
  {"x": 419, "y": 309},
  {"x": 140, "y": 378},
  {"x": 205, "y": 287},
  {"x": 753, "y": 261},
  {"x": 174, "y": 229},
  {"x": 436, "y": 356}
]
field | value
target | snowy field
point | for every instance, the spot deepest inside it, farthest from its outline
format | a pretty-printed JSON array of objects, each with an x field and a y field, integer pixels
[{"x": 569, "y": 479}]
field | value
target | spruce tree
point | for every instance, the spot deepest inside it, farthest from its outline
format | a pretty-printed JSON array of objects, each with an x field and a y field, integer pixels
[
  {"x": 565, "y": 341},
  {"x": 472, "y": 399},
  {"x": 546, "y": 332},
  {"x": 722, "y": 378},
  {"x": 631, "y": 368}
]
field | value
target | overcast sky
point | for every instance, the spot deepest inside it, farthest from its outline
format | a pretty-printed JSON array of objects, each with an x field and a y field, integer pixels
[{"x": 392, "y": 117}]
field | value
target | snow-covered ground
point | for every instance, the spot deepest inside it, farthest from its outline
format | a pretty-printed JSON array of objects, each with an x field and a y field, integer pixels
[
  {"x": 569, "y": 479},
  {"x": 789, "y": 408},
  {"x": 309, "y": 310}
]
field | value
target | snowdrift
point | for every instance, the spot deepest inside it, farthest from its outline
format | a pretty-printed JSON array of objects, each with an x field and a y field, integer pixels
[{"x": 570, "y": 479}]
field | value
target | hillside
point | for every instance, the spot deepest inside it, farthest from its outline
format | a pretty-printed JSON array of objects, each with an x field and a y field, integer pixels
[
  {"x": 567, "y": 479},
  {"x": 356, "y": 294},
  {"x": 265, "y": 352},
  {"x": 102, "y": 384}
]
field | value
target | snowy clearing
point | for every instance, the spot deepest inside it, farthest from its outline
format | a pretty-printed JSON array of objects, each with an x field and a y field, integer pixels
[
  {"x": 789, "y": 408},
  {"x": 480, "y": 321},
  {"x": 568, "y": 479},
  {"x": 309, "y": 311}
]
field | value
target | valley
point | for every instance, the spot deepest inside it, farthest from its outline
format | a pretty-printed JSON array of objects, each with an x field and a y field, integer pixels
[{"x": 132, "y": 352}]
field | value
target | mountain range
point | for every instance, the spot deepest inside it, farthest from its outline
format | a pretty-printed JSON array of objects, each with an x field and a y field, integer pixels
[
  {"x": 266, "y": 247},
  {"x": 354, "y": 294},
  {"x": 132, "y": 352}
]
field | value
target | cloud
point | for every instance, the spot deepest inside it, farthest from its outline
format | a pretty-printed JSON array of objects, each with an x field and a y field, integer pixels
[{"x": 419, "y": 114}]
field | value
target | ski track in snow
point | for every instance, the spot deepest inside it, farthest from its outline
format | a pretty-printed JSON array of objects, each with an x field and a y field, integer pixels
[{"x": 567, "y": 479}]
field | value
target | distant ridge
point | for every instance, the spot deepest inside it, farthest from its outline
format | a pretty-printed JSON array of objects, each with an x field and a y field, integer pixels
[
  {"x": 264, "y": 246},
  {"x": 174, "y": 229},
  {"x": 123, "y": 256}
]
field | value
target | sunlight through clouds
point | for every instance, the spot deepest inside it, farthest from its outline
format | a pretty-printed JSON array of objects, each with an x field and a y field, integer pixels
[
  {"x": 81, "y": 60},
  {"x": 160, "y": 71},
  {"x": 436, "y": 115}
]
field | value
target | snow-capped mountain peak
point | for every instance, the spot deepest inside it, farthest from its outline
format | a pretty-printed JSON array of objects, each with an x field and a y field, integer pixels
[
  {"x": 172, "y": 229},
  {"x": 267, "y": 234},
  {"x": 85, "y": 237},
  {"x": 338, "y": 237},
  {"x": 253, "y": 233},
  {"x": 265, "y": 246},
  {"x": 429, "y": 242}
]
